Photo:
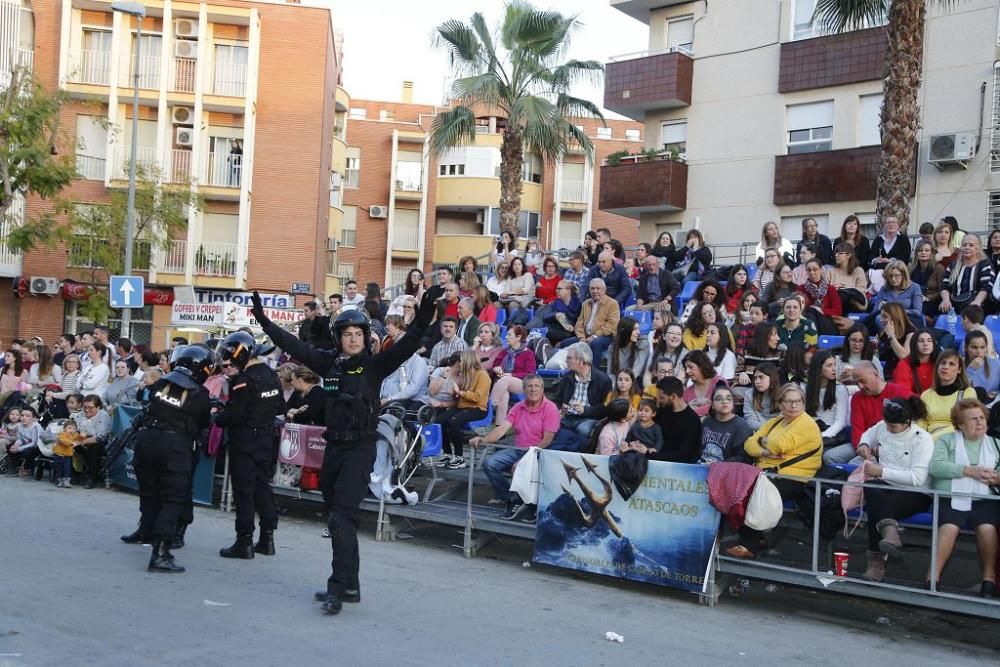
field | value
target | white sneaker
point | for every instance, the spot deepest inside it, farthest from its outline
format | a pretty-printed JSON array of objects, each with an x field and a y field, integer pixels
[{"x": 444, "y": 461}]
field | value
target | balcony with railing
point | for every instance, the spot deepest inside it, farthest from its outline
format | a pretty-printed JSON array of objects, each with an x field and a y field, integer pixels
[
  {"x": 90, "y": 66},
  {"x": 180, "y": 166},
  {"x": 832, "y": 60},
  {"x": 224, "y": 170},
  {"x": 10, "y": 261},
  {"x": 90, "y": 167},
  {"x": 573, "y": 194},
  {"x": 149, "y": 73},
  {"x": 210, "y": 259},
  {"x": 826, "y": 176},
  {"x": 185, "y": 73},
  {"x": 408, "y": 180},
  {"x": 230, "y": 79},
  {"x": 637, "y": 186},
  {"x": 405, "y": 238},
  {"x": 635, "y": 83},
  {"x": 17, "y": 58},
  {"x": 145, "y": 157}
]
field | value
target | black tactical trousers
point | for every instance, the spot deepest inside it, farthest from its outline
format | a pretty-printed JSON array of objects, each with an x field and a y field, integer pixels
[
  {"x": 251, "y": 466},
  {"x": 163, "y": 468},
  {"x": 344, "y": 479}
]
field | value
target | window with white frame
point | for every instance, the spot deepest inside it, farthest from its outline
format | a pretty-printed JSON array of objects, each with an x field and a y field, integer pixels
[
  {"x": 387, "y": 114},
  {"x": 527, "y": 222},
  {"x": 993, "y": 210},
  {"x": 349, "y": 226},
  {"x": 531, "y": 171},
  {"x": 869, "y": 224},
  {"x": 604, "y": 133},
  {"x": 870, "y": 112},
  {"x": 805, "y": 25},
  {"x": 352, "y": 172},
  {"x": 91, "y": 147},
  {"x": 791, "y": 225},
  {"x": 451, "y": 170},
  {"x": 810, "y": 127},
  {"x": 673, "y": 136},
  {"x": 346, "y": 270},
  {"x": 358, "y": 113},
  {"x": 632, "y": 135},
  {"x": 680, "y": 34}
]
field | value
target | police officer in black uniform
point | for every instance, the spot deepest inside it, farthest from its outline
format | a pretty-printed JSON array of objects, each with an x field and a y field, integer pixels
[
  {"x": 178, "y": 414},
  {"x": 352, "y": 377},
  {"x": 255, "y": 399}
]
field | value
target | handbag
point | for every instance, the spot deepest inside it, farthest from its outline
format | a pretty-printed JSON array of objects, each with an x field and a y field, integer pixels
[
  {"x": 765, "y": 507},
  {"x": 853, "y": 497},
  {"x": 790, "y": 462}
]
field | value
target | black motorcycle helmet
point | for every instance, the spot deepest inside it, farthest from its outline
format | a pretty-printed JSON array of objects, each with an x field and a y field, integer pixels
[
  {"x": 195, "y": 361},
  {"x": 355, "y": 317},
  {"x": 237, "y": 348}
]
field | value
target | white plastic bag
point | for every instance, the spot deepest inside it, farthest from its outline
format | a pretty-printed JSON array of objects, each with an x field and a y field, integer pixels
[
  {"x": 765, "y": 506},
  {"x": 524, "y": 482},
  {"x": 557, "y": 362}
]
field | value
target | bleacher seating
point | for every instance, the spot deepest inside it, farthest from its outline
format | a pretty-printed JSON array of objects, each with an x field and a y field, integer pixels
[
  {"x": 643, "y": 317},
  {"x": 687, "y": 293},
  {"x": 955, "y": 328},
  {"x": 830, "y": 342}
]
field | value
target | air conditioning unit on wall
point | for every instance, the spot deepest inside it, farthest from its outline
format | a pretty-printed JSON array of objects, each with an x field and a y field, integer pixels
[
  {"x": 380, "y": 211},
  {"x": 182, "y": 115},
  {"x": 186, "y": 28},
  {"x": 186, "y": 49},
  {"x": 184, "y": 136},
  {"x": 44, "y": 285},
  {"x": 953, "y": 148}
]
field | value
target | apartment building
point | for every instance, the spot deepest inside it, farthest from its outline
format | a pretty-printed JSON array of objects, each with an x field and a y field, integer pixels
[
  {"x": 772, "y": 119},
  {"x": 405, "y": 208},
  {"x": 230, "y": 103}
]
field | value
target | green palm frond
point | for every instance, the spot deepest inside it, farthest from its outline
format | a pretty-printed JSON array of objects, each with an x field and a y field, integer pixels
[
  {"x": 461, "y": 43},
  {"x": 841, "y": 15},
  {"x": 482, "y": 89},
  {"x": 577, "y": 107},
  {"x": 456, "y": 127},
  {"x": 574, "y": 71}
]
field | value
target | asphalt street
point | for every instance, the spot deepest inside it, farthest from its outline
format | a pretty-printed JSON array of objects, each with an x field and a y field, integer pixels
[{"x": 72, "y": 594}]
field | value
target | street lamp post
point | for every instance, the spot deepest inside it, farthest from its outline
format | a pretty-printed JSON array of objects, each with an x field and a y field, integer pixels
[{"x": 139, "y": 11}]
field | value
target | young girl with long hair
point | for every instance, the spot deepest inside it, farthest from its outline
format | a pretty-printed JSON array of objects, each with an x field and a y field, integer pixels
[
  {"x": 630, "y": 350},
  {"x": 827, "y": 400},
  {"x": 717, "y": 349},
  {"x": 983, "y": 372},
  {"x": 471, "y": 391},
  {"x": 626, "y": 388},
  {"x": 916, "y": 372},
  {"x": 763, "y": 402}
]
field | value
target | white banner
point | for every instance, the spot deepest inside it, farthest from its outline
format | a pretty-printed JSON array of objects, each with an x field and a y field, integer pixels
[{"x": 227, "y": 314}]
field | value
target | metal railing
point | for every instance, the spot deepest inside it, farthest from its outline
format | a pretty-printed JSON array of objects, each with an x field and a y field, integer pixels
[
  {"x": 572, "y": 191},
  {"x": 180, "y": 166},
  {"x": 90, "y": 66},
  {"x": 90, "y": 167},
  {"x": 17, "y": 58},
  {"x": 10, "y": 261},
  {"x": 145, "y": 156},
  {"x": 230, "y": 79},
  {"x": 224, "y": 169},
  {"x": 210, "y": 259},
  {"x": 174, "y": 258},
  {"x": 635, "y": 55},
  {"x": 185, "y": 73},
  {"x": 408, "y": 176},
  {"x": 405, "y": 238},
  {"x": 149, "y": 73}
]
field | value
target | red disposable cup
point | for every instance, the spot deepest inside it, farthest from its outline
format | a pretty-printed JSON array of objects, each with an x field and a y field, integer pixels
[{"x": 840, "y": 563}]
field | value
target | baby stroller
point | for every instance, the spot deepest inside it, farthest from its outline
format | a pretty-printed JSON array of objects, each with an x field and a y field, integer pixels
[{"x": 402, "y": 443}]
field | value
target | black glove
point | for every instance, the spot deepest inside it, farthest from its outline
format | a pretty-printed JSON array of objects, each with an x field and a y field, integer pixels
[
  {"x": 257, "y": 308},
  {"x": 426, "y": 310}
]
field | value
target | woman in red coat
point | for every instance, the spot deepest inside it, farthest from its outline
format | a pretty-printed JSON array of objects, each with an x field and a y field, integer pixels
[
  {"x": 545, "y": 286},
  {"x": 512, "y": 365},
  {"x": 822, "y": 300},
  {"x": 916, "y": 372}
]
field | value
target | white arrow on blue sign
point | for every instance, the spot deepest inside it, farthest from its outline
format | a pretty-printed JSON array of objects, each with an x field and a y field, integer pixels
[{"x": 126, "y": 291}]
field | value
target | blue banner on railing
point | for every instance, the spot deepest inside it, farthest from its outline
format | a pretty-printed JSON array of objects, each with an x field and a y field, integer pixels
[
  {"x": 663, "y": 534},
  {"x": 123, "y": 474}
]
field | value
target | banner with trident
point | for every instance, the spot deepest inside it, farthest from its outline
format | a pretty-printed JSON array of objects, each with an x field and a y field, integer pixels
[{"x": 662, "y": 534}]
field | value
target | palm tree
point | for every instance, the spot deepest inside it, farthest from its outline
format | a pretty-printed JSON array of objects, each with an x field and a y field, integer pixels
[
  {"x": 900, "y": 113},
  {"x": 522, "y": 78}
]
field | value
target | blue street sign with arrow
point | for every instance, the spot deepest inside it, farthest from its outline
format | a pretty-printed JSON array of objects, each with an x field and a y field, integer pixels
[{"x": 126, "y": 291}]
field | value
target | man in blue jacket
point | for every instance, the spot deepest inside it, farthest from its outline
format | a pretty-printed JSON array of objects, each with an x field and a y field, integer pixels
[{"x": 615, "y": 279}]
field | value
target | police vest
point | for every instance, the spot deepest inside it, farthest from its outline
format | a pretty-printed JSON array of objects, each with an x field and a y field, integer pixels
[
  {"x": 266, "y": 397},
  {"x": 352, "y": 403},
  {"x": 175, "y": 408}
]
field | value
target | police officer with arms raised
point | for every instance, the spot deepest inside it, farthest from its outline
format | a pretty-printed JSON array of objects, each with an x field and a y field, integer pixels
[
  {"x": 178, "y": 415},
  {"x": 255, "y": 400},
  {"x": 352, "y": 377}
]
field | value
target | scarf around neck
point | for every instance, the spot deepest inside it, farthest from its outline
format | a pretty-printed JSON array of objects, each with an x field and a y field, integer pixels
[{"x": 817, "y": 291}]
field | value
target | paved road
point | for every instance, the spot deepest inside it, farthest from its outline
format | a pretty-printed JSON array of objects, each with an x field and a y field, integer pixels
[{"x": 79, "y": 597}]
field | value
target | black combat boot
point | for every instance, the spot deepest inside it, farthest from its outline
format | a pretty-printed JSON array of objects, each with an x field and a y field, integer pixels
[
  {"x": 332, "y": 605},
  {"x": 179, "y": 536},
  {"x": 265, "y": 546},
  {"x": 136, "y": 537},
  {"x": 162, "y": 560},
  {"x": 242, "y": 548}
]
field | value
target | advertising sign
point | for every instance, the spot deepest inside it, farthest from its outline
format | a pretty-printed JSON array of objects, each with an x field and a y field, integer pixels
[
  {"x": 270, "y": 300},
  {"x": 663, "y": 534},
  {"x": 302, "y": 445}
]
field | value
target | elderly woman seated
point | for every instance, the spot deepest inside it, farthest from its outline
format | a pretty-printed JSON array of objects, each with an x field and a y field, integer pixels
[
  {"x": 790, "y": 445},
  {"x": 95, "y": 426},
  {"x": 964, "y": 464}
]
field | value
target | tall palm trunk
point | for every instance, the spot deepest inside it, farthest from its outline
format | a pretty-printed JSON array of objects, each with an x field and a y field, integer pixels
[
  {"x": 511, "y": 165},
  {"x": 900, "y": 109}
]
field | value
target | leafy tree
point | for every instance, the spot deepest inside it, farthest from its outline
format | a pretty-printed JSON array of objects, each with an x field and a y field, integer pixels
[
  {"x": 29, "y": 129},
  {"x": 95, "y": 233},
  {"x": 519, "y": 75},
  {"x": 900, "y": 113}
]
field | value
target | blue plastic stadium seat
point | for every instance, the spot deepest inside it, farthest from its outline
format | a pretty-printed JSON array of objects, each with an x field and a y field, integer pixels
[
  {"x": 485, "y": 422},
  {"x": 751, "y": 271},
  {"x": 921, "y": 519},
  {"x": 958, "y": 331},
  {"x": 550, "y": 373},
  {"x": 687, "y": 293},
  {"x": 501, "y": 316},
  {"x": 829, "y": 342},
  {"x": 503, "y": 335},
  {"x": 432, "y": 439}
]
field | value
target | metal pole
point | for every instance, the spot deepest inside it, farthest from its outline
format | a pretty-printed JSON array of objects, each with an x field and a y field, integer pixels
[{"x": 130, "y": 224}]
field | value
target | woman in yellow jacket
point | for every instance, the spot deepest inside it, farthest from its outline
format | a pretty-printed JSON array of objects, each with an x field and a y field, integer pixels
[
  {"x": 950, "y": 386},
  {"x": 789, "y": 444},
  {"x": 472, "y": 393}
]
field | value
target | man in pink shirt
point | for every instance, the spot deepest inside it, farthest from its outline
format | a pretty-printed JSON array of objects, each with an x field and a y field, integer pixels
[{"x": 535, "y": 421}]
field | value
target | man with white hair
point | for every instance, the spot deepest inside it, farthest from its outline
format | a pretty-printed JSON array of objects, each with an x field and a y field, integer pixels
[
  {"x": 468, "y": 323},
  {"x": 580, "y": 396},
  {"x": 597, "y": 322},
  {"x": 616, "y": 281}
]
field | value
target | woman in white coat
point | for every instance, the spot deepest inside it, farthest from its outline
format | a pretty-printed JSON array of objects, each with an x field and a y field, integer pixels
[{"x": 94, "y": 378}]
